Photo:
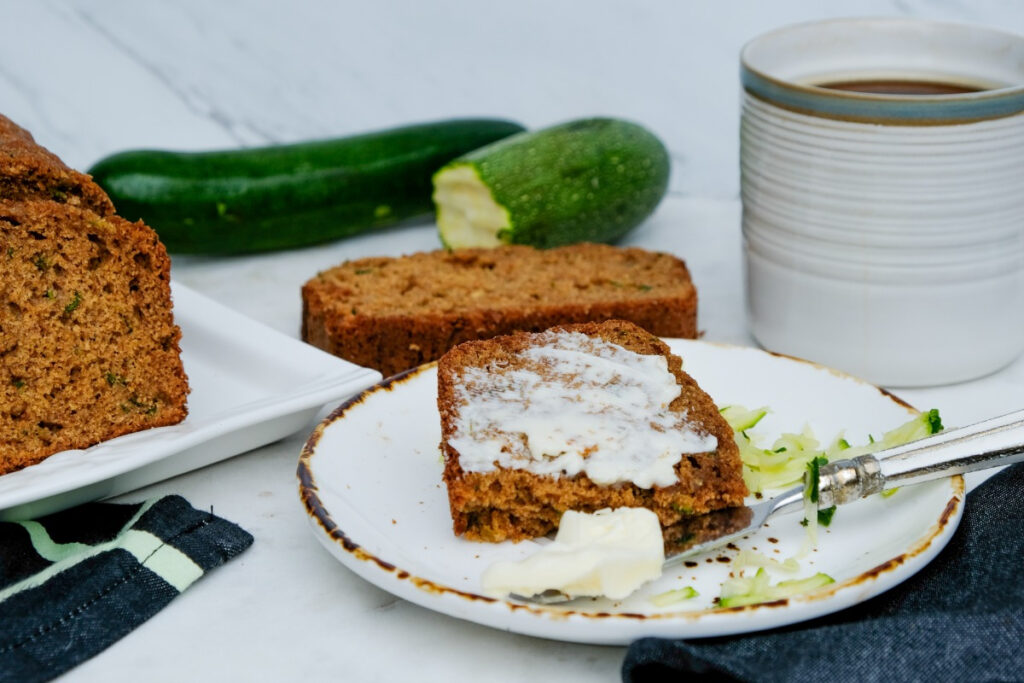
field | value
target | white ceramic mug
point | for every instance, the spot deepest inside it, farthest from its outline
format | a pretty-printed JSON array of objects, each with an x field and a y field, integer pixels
[{"x": 884, "y": 233}]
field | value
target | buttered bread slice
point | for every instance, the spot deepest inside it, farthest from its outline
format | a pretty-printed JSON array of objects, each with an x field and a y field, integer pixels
[{"x": 578, "y": 417}]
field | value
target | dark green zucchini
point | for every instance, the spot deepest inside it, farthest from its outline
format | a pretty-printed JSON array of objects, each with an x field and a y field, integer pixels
[
  {"x": 591, "y": 180},
  {"x": 285, "y": 196}
]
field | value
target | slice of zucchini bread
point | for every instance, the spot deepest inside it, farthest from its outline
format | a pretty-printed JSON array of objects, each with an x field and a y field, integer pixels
[
  {"x": 578, "y": 417},
  {"x": 29, "y": 171},
  {"x": 88, "y": 345},
  {"x": 392, "y": 314}
]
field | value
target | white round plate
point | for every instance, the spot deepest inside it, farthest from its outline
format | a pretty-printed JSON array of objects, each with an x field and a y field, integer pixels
[{"x": 370, "y": 479}]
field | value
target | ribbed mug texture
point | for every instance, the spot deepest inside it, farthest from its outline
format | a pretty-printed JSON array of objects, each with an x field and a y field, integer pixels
[{"x": 892, "y": 249}]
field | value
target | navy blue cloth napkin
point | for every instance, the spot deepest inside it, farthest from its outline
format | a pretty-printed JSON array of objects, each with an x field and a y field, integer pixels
[
  {"x": 960, "y": 619},
  {"x": 74, "y": 582}
]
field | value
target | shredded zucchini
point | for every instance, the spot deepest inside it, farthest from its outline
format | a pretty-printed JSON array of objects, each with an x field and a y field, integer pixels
[
  {"x": 921, "y": 426},
  {"x": 784, "y": 462},
  {"x": 674, "y": 596},
  {"x": 752, "y": 558},
  {"x": 741, "y": 419},
  {"x": 758, "y": 588}
]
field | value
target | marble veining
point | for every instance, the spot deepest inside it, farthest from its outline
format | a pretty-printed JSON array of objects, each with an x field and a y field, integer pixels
[{"x": 199, "y": 75}]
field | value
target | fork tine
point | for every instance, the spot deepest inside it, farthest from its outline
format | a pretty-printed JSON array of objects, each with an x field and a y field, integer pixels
[{"x": 548, "y": 597}]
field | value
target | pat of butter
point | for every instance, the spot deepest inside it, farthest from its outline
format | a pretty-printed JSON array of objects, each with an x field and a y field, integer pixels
[{"x": 609, "y": 552}]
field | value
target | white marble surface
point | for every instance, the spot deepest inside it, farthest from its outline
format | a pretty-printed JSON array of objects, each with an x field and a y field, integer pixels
[{"x": 89, "y": 78}]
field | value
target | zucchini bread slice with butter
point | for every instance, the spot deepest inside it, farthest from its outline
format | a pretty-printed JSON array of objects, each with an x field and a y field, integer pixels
[
  {"x": 392, "y": 314},
  {"x": 578, "y": 417}
]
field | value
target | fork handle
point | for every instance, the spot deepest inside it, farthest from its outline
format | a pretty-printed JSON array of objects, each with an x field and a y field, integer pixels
[{"x": 991, "y": 443}]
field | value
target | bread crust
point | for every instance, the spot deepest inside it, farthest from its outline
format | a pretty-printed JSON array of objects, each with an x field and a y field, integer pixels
[
  {"x": 511, "y": 504},
  {"x": 31, "y": 172},
  {"x": 394, "y": 314}
]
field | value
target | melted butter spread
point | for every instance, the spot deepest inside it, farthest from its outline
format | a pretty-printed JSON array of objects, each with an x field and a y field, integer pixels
[
  {"x": 609, "y": 552},
  {"x": 573, "y": 403}
]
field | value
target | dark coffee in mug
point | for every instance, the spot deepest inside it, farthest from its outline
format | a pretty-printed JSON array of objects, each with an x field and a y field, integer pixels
[{"x": 892, "y": 86}]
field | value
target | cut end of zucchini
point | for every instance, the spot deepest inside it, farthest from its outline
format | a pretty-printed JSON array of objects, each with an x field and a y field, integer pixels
[{"x": 467, "y": 215}]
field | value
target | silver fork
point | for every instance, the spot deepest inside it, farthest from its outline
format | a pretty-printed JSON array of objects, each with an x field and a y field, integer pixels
[{"x": 994, "y": 442}]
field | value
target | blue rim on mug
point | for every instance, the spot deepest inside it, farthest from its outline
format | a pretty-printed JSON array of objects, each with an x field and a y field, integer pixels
[{"x": 891, "y": 109}]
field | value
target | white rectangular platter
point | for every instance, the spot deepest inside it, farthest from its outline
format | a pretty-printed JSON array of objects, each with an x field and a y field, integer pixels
[{"x": 251, "y": 385}]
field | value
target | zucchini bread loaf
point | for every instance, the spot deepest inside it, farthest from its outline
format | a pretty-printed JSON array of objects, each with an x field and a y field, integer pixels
[
  {"x": 88, "y": 345},
  {"x": 578, "y": 417},
  {"x": 392, "y": 314}
]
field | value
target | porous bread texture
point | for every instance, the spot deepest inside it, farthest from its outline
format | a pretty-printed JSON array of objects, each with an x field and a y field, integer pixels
[
  {"x": 514, "y": 504},
  {"x": 88, "y": 346},
  {"x": 392, "y": 314},
  {"x": 30, "y": 172}
]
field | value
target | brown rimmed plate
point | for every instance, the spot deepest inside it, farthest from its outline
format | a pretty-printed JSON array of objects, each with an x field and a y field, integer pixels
[{"x": 370, "y": 481}]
